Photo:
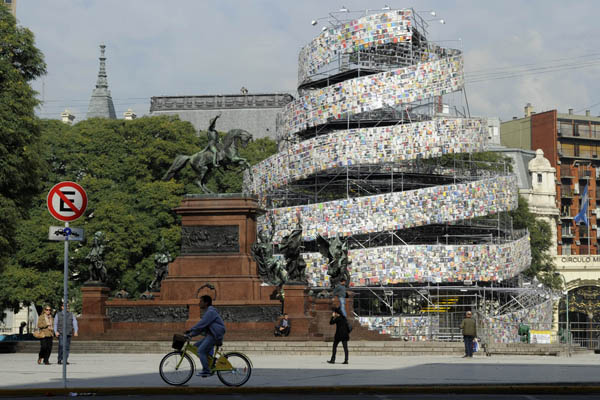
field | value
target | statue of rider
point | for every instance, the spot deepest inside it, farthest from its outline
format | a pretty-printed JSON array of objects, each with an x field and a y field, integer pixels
[{"x": 213, "y": 140}]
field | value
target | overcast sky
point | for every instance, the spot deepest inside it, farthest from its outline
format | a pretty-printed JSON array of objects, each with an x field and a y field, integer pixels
[{"x": 190, "y": 47}]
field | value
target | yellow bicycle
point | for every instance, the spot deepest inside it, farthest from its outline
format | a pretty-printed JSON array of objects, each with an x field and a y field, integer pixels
[{"x": 177, "y": 367}]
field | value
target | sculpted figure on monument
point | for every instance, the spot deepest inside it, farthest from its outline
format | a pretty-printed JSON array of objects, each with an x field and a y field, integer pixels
[
  {"x": 336, "y": 253},
  {"x": 291, "y": 247},
  {"x": 270, "y": 269},
  {"x": 95, "y": 257},
  {"x": 215, "y": 156},
  {"x": 162, "y": 258},
  {"x": 213, "y": 140}
]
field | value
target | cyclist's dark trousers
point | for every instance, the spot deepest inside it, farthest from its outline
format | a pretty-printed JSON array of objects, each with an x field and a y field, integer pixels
[
  {"x": 205, "y": 347},
  {"x": 335, "y": 344},
  {"x": 45, "y": 348},
  {"x": 60, "y": 347}
]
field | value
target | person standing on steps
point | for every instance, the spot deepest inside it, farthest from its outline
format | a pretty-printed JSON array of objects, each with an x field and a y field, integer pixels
[
  {"x": 341, "y": 334},
  {"x": 469, "y": 331},
  {"x": 340, "y": 292},
  {"x": 72, "y": 330}
]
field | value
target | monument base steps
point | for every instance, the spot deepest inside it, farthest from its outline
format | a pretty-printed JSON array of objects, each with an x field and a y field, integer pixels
[{"x": 288, "y": 346}]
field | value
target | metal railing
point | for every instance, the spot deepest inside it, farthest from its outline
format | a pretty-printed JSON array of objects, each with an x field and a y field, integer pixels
[{"x": 582, "y": 334}]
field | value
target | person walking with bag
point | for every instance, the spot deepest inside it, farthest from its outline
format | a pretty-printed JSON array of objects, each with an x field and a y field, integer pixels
[
  {"x": 469, "y": 331},
  {"x": 45, "y": 334},
  {"x": 342, "y": 334}
]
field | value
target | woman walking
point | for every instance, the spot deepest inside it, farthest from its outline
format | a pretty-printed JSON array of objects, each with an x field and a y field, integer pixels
[
  {"x": 342, "y": 334},
  {"x": 45, "y": 324}
]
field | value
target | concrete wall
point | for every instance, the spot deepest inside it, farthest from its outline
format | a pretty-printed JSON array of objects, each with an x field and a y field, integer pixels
[
  {"x": 516, "y": 134},
  {"x": 259, "y": 122}
]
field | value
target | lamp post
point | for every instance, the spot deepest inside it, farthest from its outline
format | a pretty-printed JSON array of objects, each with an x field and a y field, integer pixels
[{"x": 567, "y": 310}]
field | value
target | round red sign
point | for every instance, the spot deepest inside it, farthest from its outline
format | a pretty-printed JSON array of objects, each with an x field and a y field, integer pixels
[{"x": 67, "y": 201}]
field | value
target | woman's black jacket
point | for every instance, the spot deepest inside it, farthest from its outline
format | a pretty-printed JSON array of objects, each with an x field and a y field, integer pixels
[{"x": 341, "y": 328}]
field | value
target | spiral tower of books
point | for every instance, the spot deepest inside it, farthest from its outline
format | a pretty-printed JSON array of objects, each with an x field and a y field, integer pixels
[{"x": 369, "y": 152}]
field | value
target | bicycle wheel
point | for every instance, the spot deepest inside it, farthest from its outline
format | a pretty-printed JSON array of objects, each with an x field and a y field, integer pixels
[
  {"x": 242, "y": 369},
  {"x": 175, "y": 371}
]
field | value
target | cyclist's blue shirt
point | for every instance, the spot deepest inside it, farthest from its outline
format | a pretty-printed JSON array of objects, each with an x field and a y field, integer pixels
[{"x": 212, "y": 321}]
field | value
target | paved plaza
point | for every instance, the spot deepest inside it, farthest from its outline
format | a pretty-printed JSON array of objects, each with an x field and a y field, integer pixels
[{"x": 20, "y": 371}]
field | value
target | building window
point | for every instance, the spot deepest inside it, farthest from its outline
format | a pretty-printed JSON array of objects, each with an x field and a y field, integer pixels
[
  {"x": 595, "y": 130},
  {"x": 583, "y": 130},
  {"x": 539, "y": 176},
  {"x": 565, "y": 128},
  {"x": 7, "y": 1},
  {"x": 566, "y": 249}
]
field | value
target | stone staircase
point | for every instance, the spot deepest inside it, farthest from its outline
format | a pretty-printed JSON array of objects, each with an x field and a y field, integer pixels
[
  {"x": 536, "y": 349},
  {"x": 320, "y": 312},
  {"x": 289, "y": 346}
]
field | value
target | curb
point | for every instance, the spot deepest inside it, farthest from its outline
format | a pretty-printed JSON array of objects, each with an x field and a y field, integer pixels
[{"x": 558, "y": 388}]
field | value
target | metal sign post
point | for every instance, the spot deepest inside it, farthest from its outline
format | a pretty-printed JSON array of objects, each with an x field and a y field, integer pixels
[
  {"x": 63, "y": 337},
  {"x": 66, "y": 201}
]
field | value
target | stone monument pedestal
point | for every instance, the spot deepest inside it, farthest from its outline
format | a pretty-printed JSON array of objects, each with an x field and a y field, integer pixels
[
  {"x": 217, "y": 234},
  {"x": 295, "y": 305},
  {"x": 215, "y": 259},
  {"x": 93, "y": 318}
]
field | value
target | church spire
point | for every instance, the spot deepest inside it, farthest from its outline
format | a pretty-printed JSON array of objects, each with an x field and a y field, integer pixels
[
  {"x": 102, "y": 78},
  {"x": 101, "y": 104}
]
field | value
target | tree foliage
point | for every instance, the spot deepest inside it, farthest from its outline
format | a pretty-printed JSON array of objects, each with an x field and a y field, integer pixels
[
  {"x": 542, "y": 264},
  {"x": 21, "y": 168},
  {"x": 120, "y": 165}
]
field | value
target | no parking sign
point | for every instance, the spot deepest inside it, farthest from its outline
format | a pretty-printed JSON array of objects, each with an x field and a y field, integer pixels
[{"x": 67, "y": 201}]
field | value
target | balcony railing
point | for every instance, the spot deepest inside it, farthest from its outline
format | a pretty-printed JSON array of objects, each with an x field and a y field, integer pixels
[{"x": 566, "y": 172}]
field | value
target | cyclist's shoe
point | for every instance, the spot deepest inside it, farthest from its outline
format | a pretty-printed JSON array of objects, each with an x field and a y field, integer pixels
[{"x": 204, "y": 374}]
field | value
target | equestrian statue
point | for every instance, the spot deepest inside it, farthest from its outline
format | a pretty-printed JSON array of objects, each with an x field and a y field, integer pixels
[{"x": 216, "y": 154}]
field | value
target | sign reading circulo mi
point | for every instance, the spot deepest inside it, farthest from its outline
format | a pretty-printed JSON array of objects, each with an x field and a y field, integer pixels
[{"x": 67, "y": 201}]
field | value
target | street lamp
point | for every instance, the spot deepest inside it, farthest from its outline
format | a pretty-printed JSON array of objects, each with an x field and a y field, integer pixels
[
  {"x": 566, "y": 292},
  {"x": 441, "y": 21}
]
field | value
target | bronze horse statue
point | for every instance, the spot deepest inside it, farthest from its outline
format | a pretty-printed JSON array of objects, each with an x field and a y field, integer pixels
[{"x": 202, "y": 161}]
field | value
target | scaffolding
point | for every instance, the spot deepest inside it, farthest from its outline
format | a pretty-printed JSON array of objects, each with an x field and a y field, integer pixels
[{"x": 425, "y": 310}]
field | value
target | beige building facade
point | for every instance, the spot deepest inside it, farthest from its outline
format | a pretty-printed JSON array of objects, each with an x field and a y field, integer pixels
[
  {"x": 12, "y": 6},
  {"x": 581, "y": 272}
]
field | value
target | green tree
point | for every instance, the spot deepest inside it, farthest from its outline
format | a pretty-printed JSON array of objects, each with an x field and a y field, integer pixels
[
  {"x": 21, "y": 168},
  {"x": 120, "y": 165},
  {"x": 542, "y": 264}
]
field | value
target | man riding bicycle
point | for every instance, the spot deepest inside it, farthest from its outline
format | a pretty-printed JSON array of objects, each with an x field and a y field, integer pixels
[{"x": 212, "y": 326}]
